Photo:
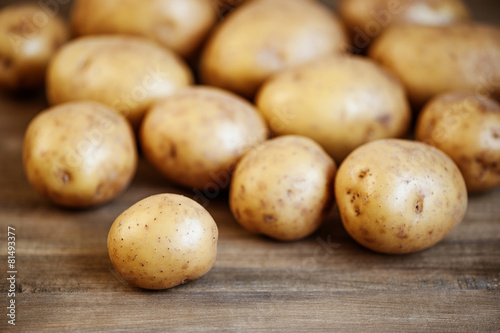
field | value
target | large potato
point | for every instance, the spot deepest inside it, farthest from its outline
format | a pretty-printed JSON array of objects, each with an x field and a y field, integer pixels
[
  {"x": 399, "y": 196},
  {"x": 180, "y": 25},
  {"x": 366, "y": 19},
  {"x": 196, "y": 136},
  {"x": 79, "y": 154},
  {"x": 340, "y": 102},
  {"x": 263, "y": 37},
  {"x": 431, "y": 60},
  {"x": 283, "y": 188},
  {"x": 163, "y": 241},
  {"x": 126, "y": 73},
  {"x": 29, "y": 36},
  {"x": 466, "y": 127}
]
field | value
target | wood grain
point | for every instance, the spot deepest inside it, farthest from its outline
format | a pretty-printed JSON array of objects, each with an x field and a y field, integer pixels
[{"x": 65, "y": 281}]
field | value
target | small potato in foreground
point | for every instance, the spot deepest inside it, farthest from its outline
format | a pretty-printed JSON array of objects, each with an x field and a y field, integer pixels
[
  {"x": 467, "y": 128},
  {"x": 29, "y": 35},
  {"x": 283, "y": 188},
  {"x": 399, "y": 196},
  {"x": 126, "y": 73},
  {"x": 163, "y": 241},
  {"x": 195, "y": 136},
  {"x": 79, "y": 154}
]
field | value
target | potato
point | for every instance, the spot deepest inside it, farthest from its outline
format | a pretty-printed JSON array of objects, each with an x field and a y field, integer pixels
[
  {"x": 366, "y": 19},
  {"x": 180, "y": 25},
  {"x": 399, "y": 196},
  {"x": 29, "y": 36},
  {"x": 163, "y": 241},
  {"x": 283, "y": 188},
  {"x": 196, "y": 136},
  {"x": 466, "y": 127},
  {"x": 126, "y": 73},
  {"x": 79, "y": 154},
  {"x": 340, "y": 102},
  {"x": 432, "y": 60},
  {"x": 263, "y": 37}
]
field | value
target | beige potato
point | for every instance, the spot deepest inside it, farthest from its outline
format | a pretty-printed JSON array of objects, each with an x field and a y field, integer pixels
[
  {"x": 124, "y": 72},
  {"x": 430, "y": 60},
  {"x": 180, "y": 25},
  {"x": 283, "y": 188},
  {"x": 196, "y": 136},
  {"x": 366, "y": 19},
  {"x": 163, "y": 241},
  {"x": 29, "y": 35},
  {"x": 466, "y": 127},
  {"x": 340, "y": 102},
  {"x": 399, "y": 196},
  {"x": 263, "y": 37},
  {"x": 79, "y": 154}
]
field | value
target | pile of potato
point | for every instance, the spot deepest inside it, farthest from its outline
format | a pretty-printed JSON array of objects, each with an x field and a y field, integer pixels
[{"x": 263, "y": 98}]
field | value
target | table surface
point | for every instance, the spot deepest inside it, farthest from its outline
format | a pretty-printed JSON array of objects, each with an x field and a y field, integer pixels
[{"x": 65, "y": 280}]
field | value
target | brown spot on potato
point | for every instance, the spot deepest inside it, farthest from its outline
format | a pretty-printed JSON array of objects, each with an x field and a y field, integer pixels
[
  {"x": 64, "y": 176},
  {"x": 173, "y": 151},
  {"x": 19, "y": 28},
  {"x": 5, "y": 62},
  {"x": 402, "y": 235},
  {"x": 385, "y": 119},
  {"x": 362, "y": 174},
  {"x": 268, "y": 218},
  {"x": 248, "y": 212},
  {"x": 419, "y": 205},
  {"x": 357, "y": 211}
]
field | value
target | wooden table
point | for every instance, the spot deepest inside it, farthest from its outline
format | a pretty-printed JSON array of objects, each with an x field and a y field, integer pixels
[{"x": 65, "y": 280}]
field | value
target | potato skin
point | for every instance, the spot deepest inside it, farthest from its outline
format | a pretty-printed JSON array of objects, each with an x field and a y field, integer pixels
[
  {"x": 196, "y": 136},
  {"x": 458, "y": 57},
  {"x": 180, "y": 25},
  {"x": 340, "y": 102},
  {"x": 92, "y": 68},
  {"x": 399, "y": 196},
  {"x": 79, "y": 154},
  {"x": 29, "y": 36},
  {"x": 366, "y": 19},
  {"x": 240, "y": 54},
  {"x": 163, "y": 241},
  {"x": 283, "y": 188},
  {"x": 466, "y": 127}
]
